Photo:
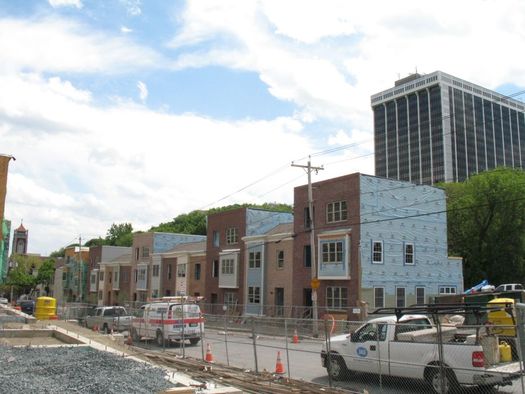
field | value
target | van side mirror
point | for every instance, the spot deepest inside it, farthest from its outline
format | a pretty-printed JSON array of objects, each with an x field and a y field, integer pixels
[{"x": 353, "y": 337}]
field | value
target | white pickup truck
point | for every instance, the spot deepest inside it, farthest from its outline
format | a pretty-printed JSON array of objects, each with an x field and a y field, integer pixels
[{"x": 409, "y": 348}]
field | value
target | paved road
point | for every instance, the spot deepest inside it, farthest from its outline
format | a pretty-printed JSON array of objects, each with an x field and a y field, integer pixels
[{"x": 300, "y": 361}]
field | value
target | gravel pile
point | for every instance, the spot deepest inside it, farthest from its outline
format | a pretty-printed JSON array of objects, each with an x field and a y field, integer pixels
[{"x": 75, "y": 370}]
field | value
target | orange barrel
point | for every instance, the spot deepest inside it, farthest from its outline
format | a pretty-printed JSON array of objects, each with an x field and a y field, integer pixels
[{"x": 46, "y": 308}]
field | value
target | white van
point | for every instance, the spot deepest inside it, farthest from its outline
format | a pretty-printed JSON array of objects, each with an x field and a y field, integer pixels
[
  {"x": 509, "y": 287},
  {"x": 169, "y": 319}
]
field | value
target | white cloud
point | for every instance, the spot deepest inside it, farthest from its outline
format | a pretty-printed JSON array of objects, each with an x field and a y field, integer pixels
[
  {"x": 125, "y": 30},
  {"x": 57, "y": 45},
  {"x": 143, "y": 91},
  {"x": 132, "y": 7},
  {"x": 330, "y": 57},
  {"x": 65, "y": 3},
  {"x": 80, "y": 167}
]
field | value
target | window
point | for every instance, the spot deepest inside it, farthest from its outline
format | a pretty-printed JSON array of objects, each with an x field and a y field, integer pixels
[
  {"x": 409, "y": 254},
  {"x": 215, "y": 269},
  {"x": 280, "y": 259},
  {"x": 169, "y": 271},
  {"x": 141, "y": 274},
  {"x": 336, "y": 297},
  {"x": 377, "y": 252},
  {"x": 137, "y": 251},
  {"x": 230, "y": 298},
  {"x": 307, "y": 256},
  {"x": 181, "y": 270},
  {"x": 227, "y": 266},
  {"x": 379, "y": 297},
  {"x": 254, "y": 295},
  {"x": 145, "y": 251},
  {"x": 447, "y": 289},
  {"x": 115, "y": 276},
  {"x": 216, "y": 239},
  {"x": 198, "y": 271},
  {"x": 156, "y": 270},
  {"x": 254, "y": 260},
  {"x": 400, "y": 297},
  {"x": 332, "y": 252},
  {"x": 93, "y": 278},
  {"x": 101, "y": 276},
  {"x": 136, "y": 274},
  {"x": 307, "y": 219},
  {"x": 420, "y": 295},
  {"x": 336, "y": 212},
  {"x": 231, "y": 235}
]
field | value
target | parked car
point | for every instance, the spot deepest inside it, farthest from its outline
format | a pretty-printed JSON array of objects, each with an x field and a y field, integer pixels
[
  {"x": 108, "y": 318},
  {"x": 509, "y": 287},
  {"x": 27, "y": 306},
  {"x": 4, "y": 301}
]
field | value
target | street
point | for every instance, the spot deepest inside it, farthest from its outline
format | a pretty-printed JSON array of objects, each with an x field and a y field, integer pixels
[{"x": 301, "y": 361}]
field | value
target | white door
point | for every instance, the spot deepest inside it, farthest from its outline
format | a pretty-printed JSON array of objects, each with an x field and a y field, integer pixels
[{"x": 367, "y": 347}]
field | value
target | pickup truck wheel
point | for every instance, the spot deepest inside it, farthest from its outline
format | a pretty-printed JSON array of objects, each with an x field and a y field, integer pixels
[
  {"x": 337, "y": 368},
  {"x": 160, "y": 339},
  {"x": 105, "y": 329},
  {"x": 442, "y": 385},
  {"x": 194, "y": 341}
]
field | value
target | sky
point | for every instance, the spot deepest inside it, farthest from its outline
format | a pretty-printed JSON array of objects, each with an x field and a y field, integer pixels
[{"x": 139, "y": 111}]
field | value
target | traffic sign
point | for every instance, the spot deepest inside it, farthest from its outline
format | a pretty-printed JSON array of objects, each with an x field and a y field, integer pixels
[{"x": 314, "y": 283}]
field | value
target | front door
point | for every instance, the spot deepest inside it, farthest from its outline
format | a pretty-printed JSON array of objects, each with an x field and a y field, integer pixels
[{"x": 279, "y": 301}]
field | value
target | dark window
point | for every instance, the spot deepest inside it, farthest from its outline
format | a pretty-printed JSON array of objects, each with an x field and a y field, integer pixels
[
  {"x": 379, "y": 140},
  {"x": 507, "y": 138},
  {"x": 215, "y": 269},
  {"x": 307, "y": 219},
  {"x": 403, "y": 146},
  {"x": 391, "y": 133},
  {"x": 470, "y": 134},
  {"x": 436, "y": 123},
  {"x": 516, "y": 161},
  {"x": 197, "y": 271},
  {"x": 307, "y": 256},
  {"x": 420, "y": 295},
  {"x": 413, "y": 119},
  {"x": 424, "y": 122},
  {"x": 498, "y": 134}
]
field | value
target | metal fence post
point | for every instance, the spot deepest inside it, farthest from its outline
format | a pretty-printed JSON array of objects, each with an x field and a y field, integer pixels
[
  {"x": 226, "y": 339},
  {"x": 440, "y": 354},
  {"x": 286, "y": 342},
  {"x": 254, "y": 345},
  {"x": 183, "y": 344},
  {"x": 379, "y": 359},
  {"x": 162, "y": 331},
  {"x": 202, "y": 337},
  {"x": 328, "y": 351}
]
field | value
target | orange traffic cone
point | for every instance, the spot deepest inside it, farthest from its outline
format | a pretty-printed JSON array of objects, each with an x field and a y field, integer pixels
[
  {"x": 295, "y": 338},
  {"x": 209, "y": 356},
  {"x": 279, "y": 367}
]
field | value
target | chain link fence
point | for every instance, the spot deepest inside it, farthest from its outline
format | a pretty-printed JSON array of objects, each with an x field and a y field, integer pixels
[{"x": 402, "y": 351}]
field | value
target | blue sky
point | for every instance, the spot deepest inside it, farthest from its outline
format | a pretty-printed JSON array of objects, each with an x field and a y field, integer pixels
[{"x": 138, "y": 111}]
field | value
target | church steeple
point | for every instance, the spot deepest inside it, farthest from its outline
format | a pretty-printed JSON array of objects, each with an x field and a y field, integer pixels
[{"x": 20, "y": 236}]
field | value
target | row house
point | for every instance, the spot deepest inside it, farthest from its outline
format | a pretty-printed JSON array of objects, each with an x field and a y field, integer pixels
[
  {"x": 184, "y": 266},
  {"x": 377, "y": 243},
  {"x": 236, "y": 262},
  {"x": 108, "y": 267},
  {"x": 147, "y": 266}
]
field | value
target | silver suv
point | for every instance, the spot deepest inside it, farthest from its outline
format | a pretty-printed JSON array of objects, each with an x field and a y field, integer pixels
[{"x": 108, "y": 318}]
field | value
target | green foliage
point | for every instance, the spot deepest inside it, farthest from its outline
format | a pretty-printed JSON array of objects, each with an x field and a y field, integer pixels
[
  {"x": 120, "y": 235},
  {"x": 195, "y": 221},
  {"x": 21, "y": 275},
  {"x": 46, "y": 271},
  {"x": 58, "y": 253},
  {"x": 95, "y": 242},
  {"x": 486, "y": 225}
]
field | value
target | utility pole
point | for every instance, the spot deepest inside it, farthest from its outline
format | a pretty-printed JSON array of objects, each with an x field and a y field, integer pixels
[
  {"x": 80, "y": 268},
  {"x": 314, "y": 283}
]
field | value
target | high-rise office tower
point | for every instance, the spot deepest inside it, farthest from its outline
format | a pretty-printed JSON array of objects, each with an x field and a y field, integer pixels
[{"x": 439, "y": 128}]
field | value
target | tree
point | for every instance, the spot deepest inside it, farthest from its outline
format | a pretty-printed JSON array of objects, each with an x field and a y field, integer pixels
[
  {"x": 46, "y": 272},
  {"x": 486, "y": 225},
  {"x": 22, "y": 276},
  {"x": 120, "y": 235},
  {"x": 195, "y": 221}
]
